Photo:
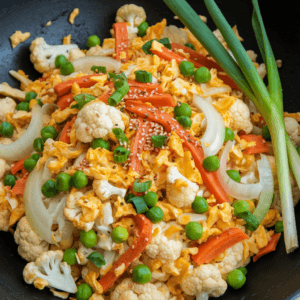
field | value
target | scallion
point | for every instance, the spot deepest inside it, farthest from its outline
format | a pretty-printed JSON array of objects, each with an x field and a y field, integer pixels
[
  {"x": 120, "y": 135},
  {"x": 143, "y": 76},
  {"x": 158, "y": 140},
  {"x": 141, "y": 187},
  {"x": 120, "y": 154},
  {"x": 98, "y": 69},
  {"x": 139, "y": 204}
]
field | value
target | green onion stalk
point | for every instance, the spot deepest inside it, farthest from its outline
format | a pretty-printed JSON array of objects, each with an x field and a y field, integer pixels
[{"x": 268, "y": 101}]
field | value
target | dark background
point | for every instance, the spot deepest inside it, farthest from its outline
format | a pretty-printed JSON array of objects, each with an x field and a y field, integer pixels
[{"x": 276, "y": 276}]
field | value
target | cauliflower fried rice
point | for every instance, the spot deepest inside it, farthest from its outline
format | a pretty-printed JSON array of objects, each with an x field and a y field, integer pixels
[{"x": 97, "y": 162}]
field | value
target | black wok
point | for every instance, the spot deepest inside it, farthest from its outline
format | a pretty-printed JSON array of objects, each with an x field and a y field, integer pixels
[{"x": 277, "y": 275}]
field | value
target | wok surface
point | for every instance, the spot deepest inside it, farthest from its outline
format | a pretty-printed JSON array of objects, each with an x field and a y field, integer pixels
[{"x": 277, "y": 275}]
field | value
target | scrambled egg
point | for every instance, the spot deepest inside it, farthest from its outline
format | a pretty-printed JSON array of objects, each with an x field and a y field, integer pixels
[{"x": 18, "y": 37}]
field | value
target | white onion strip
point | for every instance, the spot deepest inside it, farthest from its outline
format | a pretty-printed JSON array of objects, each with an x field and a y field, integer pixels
[
  {"x": 213, "y": 138},
  {"x": 23, "y": 146},
  {"x": 84, "y": 64},
  {"x": 237, "y": 190}
]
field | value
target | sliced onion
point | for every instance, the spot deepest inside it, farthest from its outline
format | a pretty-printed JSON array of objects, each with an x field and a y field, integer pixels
[
  {"x": 49, "y": 108},
  {"x": 216, "y": 90},
  {"x": 215, "y": 129},
  {"x": 84, "y": 64},
  {"x": 237, "y": 190},
  {"x": 24, "y": 145}
]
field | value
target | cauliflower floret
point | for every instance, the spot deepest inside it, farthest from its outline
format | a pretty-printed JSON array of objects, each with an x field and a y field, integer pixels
[
  {"x": 49, "y": 267},
  {"x": 4, "y": 218},
  {"x": 163, "y": 248},
  {"x": 129, "y": 290},
  {"x": 240, "y": 117},
  {"x": 204, "y": 281},
  {"x": 7, "y": 105},
  {"x": 104, "y": 189},
  {"x": 292, "y": 128},
  {"x": 4, "y": 167},
  {"x": 75, "y": 54},
  {"x": 43, "y": 55},
  {"x": 181, "y": 192},
  {"x": 175, "y": 35},
  {"x": 97, "y": 120},
  {"x": 30, "y": 244}
]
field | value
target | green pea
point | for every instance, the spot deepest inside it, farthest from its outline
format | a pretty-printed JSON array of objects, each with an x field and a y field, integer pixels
[
  {"x": 183, "y": 109},
  {"x": 63, "y": 182},
  {"x": 29, "y": 96},
  {"x": 200, "y": 205},
  {"x": 186, "y": 68},
  {"x": 234, "y": 175},
  {"x": 184, "y": 121},
  {"x": 202, "y": 75},
  {"x": 190, "y": 45},
  {"x": 151, "y": 199},
  {"x": 29, "y": 164},
  {"x": 24, "y": 106},
  {"x": 142, "y": 28},
  {"x": 155, "y": 214},
  {"x": 48, "y": 189},
  {"x": 38, "y": 145},
  {"x": 60, "y": 60},
  {"x": 6, "y": 129},
  {"x": 9, "y": 180},
  {"x": 141, "y": 274},
  {"x": 67, "y": 68},
  {"x": 79, "y": 180},
  {"x": 229, "y": 134},
  {"x": 84, "y": 292},
  {"x": 243, "y": 270},
  {"x": 89, "y": 238},
  {"x": 119, "y": 235},
  {"x": 266, "y": 133},
  {"x": 236, "y": 279},
  {"x": 193, "y": 230},
  {"x": 240, "y": 206},
  {"x": 92, "y": 41},
  {"x": 211, "y": 163},
  {"x": 70, "y": 257},
  {"x": 279, "y": 226},
  {"x": 48, "y": 132},
  {"x": 35, "y": 156},
  {"x": 101, "y": 143}
]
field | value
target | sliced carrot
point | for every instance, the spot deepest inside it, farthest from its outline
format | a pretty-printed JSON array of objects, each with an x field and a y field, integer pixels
[
  {"x": 210, "y": 179},
  {"x": 18, "y": 166},
  {"x": 269, "y": 248},
  {"x": 65, "y": 134},
  {"x": 156, "y": 100},
  {"x": 144, "y": 235},
  {"x": 19, "y": 187},
  {"x": 261, "y": 144},
  {"x": 83, "y": 82},
  {"x": 121, "y": 40},
  {"x": 216, "y": 245},
  {"x": 140, "y": 87},
  {"x": 65, "y": 101},
  {"x": 139, "y": 143},
  {"x": 104, "y": 98}
]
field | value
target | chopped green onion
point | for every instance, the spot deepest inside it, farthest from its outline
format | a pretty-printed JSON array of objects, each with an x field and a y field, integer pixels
[
  {"x": 82, "y": 99},
  {"x": 165, "y": 42},
  {"x": 121, "y": 76},
  {"x": 252, "y": 223},
  {"x": 115, "y": 98},
  {"x": 189, "y": 45},
  {"x": 98, "y": 69},
  {"x": 141, "y": 187},
  {"x": 120, "y": 154},
  {"x": 158, "y": 140},
  {"x": 124, "y": 89},
  {"x": 97, "y": 259},
  {"x": 101, "y": 143},
  {"x": 128, "y": 197},
  {"x": 139, "y": 204},
  {"x": 240, "y": 206},
  {"x": 143, "y": 76},
  {"x": 120, "y": 135},
  {"x": 147, "y": 46},
  {"x": 111, "y": 75},
  {"x": 119, "y": 83},
  {"x": 142, "y": 28}
]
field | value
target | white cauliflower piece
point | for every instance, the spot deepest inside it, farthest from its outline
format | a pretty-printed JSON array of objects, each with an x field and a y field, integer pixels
[
  {"x": 175, "y": 34},
  {"x": 7, "y": 105},
  {"x": 129, "y": 290},
  {"x": 204, "y": 281},
  {"x": 4, "y": 167},
  {"x": 163, "y": 248},
  {"x": 43, "y": 55},
  {"x": 75, "y": 54},
  {"x": 240, "y": 117},
  {"x": 4, "y": 218},
  {"x": 181, "y": 192},
  {"x": 97, "y": 120},
  {"x": 292, "y": 128},
  {"x": 31, "y": 246},
  {"x": 104, "y": 189},
  {"x": 49, "y": 267}
]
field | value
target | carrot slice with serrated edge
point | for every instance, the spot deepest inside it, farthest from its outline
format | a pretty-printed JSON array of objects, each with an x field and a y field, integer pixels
[
  {"x": 65, "y": 134},
  {"x": 65, "y": 101}
]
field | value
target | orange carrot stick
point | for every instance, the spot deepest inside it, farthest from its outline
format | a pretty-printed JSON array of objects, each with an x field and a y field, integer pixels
[
  {"x": 216, "y": 245},
  {"x": 19, "y": 187},
  {"x": 65, "y": 101},
  {"x": 269, "y": 248},
  {"x": 144, "y": 235},
  {"x": 261, "y": 144},
  {"x": 139, "y": 143},
  {"x": 18, "y": 166},
  {"x": 156, "y": 100},
  {"x": 121, "y": 40},
  {"x": 104, "y": 98},
  {"x": 210, "y": 179},
  {"x": 65, "y": 134},
  {"x": 65, "y": 87}
]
